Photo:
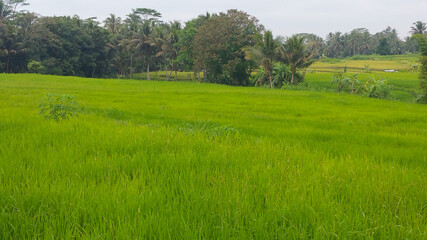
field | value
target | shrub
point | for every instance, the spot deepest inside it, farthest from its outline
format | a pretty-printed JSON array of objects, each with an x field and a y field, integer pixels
[
  {"x": 35, "y": 67},
  {"x": 351, "y": 83},
  {"x": 58, "y": 107},
  {"x": 423, "y": 78},
  {"x": 281, "y": 75},
  {"x": 339, "y": 78},
  {"x": 367, "y": 68},
  {"x": 258, "y": 78},
  {"x": 421, "y": 98},
  {"x": 378, "y": 88}
]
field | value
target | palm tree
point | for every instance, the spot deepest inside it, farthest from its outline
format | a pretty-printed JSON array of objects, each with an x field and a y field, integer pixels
[
  {"x": 5, "y": 10},
  {"x": 120, "y": 56},
  {"x": 8, "y": 8},
  {"x": 295, "y": 54},
  {"x": 142, "y": 44},
  {"x": 335, "y": 44},
  {"x": 166, "y": 40},
  {"x": 265, "y": 53},
  {"x": 418, "y": 28},
  {"x": 141, "y": 23},
  {"x": 365, "y": 44},
  {"x": 113, "y": 23}
]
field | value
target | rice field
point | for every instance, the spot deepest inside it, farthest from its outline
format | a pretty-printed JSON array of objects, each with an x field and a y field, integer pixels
[
  {"x": 403, "y": 84},
  {"x": 376, "y": 63},
  {"x": 183, "y": 160}
]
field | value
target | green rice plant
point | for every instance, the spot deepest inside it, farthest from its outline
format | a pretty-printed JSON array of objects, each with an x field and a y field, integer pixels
[
  {"x": 183, "y": 160},
  {"x": 58, "y": 106},
  {"x": 208, "y": 128}
]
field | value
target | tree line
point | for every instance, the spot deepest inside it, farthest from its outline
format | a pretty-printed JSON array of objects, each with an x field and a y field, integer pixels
[{"x": 221, "y": 48}]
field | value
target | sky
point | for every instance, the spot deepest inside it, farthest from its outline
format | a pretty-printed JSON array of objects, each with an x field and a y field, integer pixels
[{"x": 283, "y": 17}]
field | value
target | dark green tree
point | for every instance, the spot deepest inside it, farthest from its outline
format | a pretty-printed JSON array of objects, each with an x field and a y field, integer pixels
[
  {"x": 218, "y": 47},
  {"x": 383, "y": 47},
  {"x": 422, "y": 42}
]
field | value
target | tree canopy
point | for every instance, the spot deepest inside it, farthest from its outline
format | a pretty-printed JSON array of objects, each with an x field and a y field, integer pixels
[{"x": 227, "y": 46}]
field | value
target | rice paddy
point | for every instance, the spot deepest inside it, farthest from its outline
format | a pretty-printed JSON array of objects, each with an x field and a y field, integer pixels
[{"x": 183, "y": 160}]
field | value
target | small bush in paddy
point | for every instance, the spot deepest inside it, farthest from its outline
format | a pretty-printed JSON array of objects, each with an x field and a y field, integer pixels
[
  {"x": 378, "y": 88},
  {"x": 58, "y": 106}
]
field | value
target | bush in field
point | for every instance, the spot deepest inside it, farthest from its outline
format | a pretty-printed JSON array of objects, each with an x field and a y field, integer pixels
[
  {"x": 259, "y": 78},
  {"x": 281, "y": 75},
  {"x": 35, "y": 67},
  {"x": 58, "y": 107},
  {"x": 422, "y": 42},
  {"x": 378, "y": 88},
  {"x": 367, "y": 68},
  {"x": 339, "y": 78},
  {"x": 422, "y": 97},
  {"x": 352, "y": 83}
]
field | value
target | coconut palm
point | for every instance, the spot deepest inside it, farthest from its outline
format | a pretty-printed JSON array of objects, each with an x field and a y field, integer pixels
[
  {"x": 264, "y": 54},
  {"x": 142, "y": 44},
  {"x": 335, "y": 42},
  {"x": 295, "y": 54},
  {"x": 113, "y": 23},
  {"x": 5, "y": 10},
  {"x": 166, "y": 39},
  {"x": 418, "y": 28}
]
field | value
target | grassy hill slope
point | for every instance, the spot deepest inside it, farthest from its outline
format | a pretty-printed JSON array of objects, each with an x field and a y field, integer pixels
[{"x": 184, "y": 160}]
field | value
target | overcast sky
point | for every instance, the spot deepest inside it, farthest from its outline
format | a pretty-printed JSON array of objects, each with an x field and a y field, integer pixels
[{"x": 283, "y": 17}]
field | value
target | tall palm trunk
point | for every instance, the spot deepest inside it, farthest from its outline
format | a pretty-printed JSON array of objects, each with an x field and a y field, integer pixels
[
  {"x": 148, "y": 68},
  {"x": 176, "y": 74},
  {"x": 166, "y": 69},
  {"x": 8, "y": 64},
  {"x": 292, "y": 78},
  {"x": 131, "y": 66},
  {"x": 269, "y": 76}
]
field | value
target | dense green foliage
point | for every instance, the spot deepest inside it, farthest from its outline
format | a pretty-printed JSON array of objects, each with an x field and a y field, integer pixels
[
  {"x": 218, "y": 47},
  {"x": 403, "y": 84},
  {"x": 373, "y": 87},
  {"x": 360, "y": 42},
  {"x": 188, "y": 161},
  {"x": 378, "y": 88},
  {"x": 212, "y": 44},
  {"x": 265, "y": 53},
  {"x": 422, "y": 41}
]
